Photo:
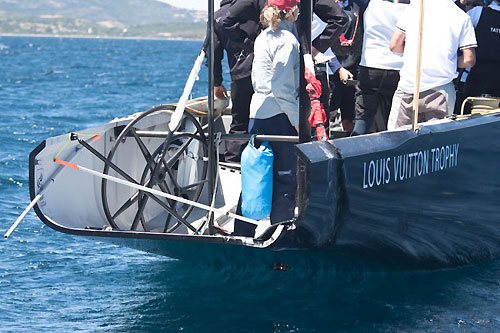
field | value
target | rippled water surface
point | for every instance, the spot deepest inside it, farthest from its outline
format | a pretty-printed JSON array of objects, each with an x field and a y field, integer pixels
[{"x": 55, "y": 282}]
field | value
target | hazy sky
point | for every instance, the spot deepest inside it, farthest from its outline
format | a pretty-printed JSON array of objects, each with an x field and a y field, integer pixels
[{"x": 192, "y": 4}]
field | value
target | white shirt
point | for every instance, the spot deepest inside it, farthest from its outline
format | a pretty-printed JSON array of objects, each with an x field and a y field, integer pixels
[
  {"x": 380, "y": 20},
  {"x": 446, "y": 30},
  {"x": 475, "y": 13},
  {"x": 275, "y": 74}
]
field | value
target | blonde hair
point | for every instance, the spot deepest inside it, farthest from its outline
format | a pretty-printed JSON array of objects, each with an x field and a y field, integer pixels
[{"x": 271, "y": 16}]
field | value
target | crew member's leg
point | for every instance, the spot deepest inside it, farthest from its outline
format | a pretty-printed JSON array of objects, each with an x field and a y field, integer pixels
[
  {"x": 386, "y": 90},
  {"x": 435, "y": 103},
  {"x": 284, "y": 165},
  {"x": 394, "y": 115},
  {"x": 242, "y": 228},
  {"x": 483, "y": 79},
  {"x": 367, "y": 99},
  {"x": 325, "y": 94},
  {"x": 342, "y": 100},
  {"x": 284, "y": 172},
  {"x": 241, "y": 96},
  {"x": 376, "y": 88}
]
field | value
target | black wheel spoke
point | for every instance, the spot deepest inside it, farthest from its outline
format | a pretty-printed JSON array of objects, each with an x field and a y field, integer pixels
[
  {"x": 127, "y": 204},
  {"x": 171, "y": 211},
  {"x": 138, "y": 215},
  {"x": 142, "y": 146},
  {"x": 202, "y": 225},
  {"x": 160, "y": 172},
  {"x": 171, "y": 161},
  {"x": 167, "y": 223},
  {"x": 164, "y": 187},
  {"x": 177, "y": 187},
  {"x": 130, "y": 201},
  {"x": 143, "y": 223},
  {"x": 190, "y": 186},
  {"x": 177, "y": 225}
]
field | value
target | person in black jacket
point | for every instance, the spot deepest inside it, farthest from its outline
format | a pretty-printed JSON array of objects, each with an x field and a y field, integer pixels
[
  {"x": 242, "y": 24},
  {"x": 379, "y": 67},
  {"x": 239, "y": 49},
  {"x": 244, "y": 14},
  {"x": 483, "y": 77},
  {"x": 346, "y": 66}
]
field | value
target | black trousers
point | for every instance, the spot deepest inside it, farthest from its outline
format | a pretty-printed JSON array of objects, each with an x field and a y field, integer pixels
[
  {"x": 483, "y": 79},
  {"x": 241, "y": 96},
  {"x": 375, "y": 90}
]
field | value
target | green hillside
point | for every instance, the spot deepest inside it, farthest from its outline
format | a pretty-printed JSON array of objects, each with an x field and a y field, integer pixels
[{"x": 107, "y": 18}]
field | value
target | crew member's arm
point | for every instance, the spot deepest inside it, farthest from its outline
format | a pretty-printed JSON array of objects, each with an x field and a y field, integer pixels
[
  {"x": 345, "y": 75},
  {"x": 334, "y": 65},
  {"x": 337, "y": 68},
  {"x": 467, "y": 59},
  {"x": 398, "y": 41},
  {"x": 335, "y": 18},
  {"x": 467, "y": 43},
  {"x": 218, "y": 56},
  {"x": 219, "y": 90}
]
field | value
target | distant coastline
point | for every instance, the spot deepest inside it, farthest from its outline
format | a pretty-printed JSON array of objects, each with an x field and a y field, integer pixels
[
  {"x": 4, "y": 34},
  {"x": 12, "y": 24}
]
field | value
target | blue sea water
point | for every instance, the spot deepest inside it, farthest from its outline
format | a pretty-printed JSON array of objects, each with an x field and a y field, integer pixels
[{"x": 53, "y": 282}]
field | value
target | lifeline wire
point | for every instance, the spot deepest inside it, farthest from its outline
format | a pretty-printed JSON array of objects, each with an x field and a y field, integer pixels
[
  {"x": 95, "y": 137},
  {"x": 44, "y": 188}
]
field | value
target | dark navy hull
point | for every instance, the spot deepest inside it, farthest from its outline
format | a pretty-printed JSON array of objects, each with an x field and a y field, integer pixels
[
  {"x": 388, "y": 197},
  {"x": 393, "y": 195}
]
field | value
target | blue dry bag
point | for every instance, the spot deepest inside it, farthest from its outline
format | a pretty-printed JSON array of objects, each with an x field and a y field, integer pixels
[{"x": 256, "y": 180}]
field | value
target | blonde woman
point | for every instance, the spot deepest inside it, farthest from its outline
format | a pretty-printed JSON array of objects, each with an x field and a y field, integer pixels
[{"x": 274, "y": 109}]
